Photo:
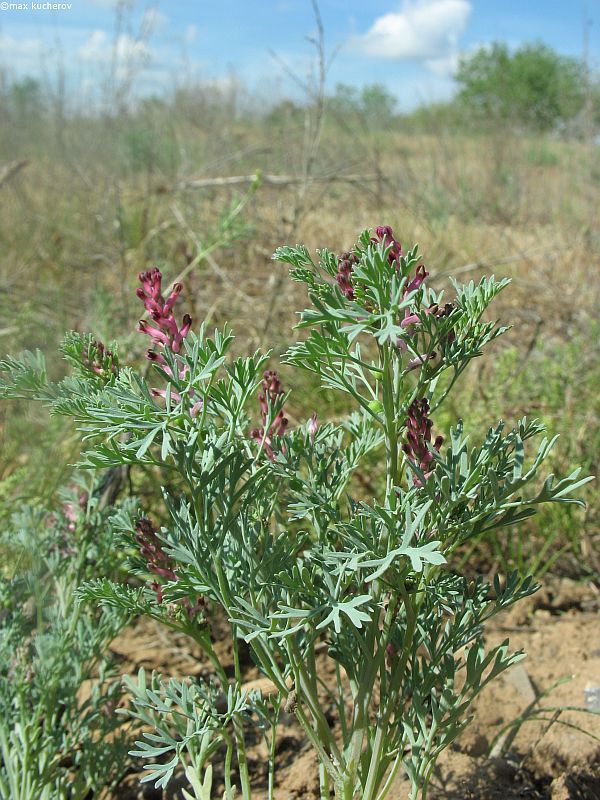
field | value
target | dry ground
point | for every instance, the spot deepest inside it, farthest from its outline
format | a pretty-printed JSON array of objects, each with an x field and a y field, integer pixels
[{"x": 552, "y": 759}]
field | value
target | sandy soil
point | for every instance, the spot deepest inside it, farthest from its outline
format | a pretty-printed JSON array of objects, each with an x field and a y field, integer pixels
[{"x": 559, "y": 628}]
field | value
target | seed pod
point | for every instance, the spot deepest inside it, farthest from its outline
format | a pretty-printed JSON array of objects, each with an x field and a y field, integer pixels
[{"x": 291, "y": 703}]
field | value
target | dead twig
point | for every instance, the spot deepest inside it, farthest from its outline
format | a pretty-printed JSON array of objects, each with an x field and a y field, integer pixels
[
  {"x": 9, "y": 170},
  {"x": 313, "y": 129},
  {"x": 275, "y": 180}
]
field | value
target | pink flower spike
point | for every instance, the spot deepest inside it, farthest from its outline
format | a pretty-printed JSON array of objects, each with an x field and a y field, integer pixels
[
  {"x": 418, "y": 438},
  {"x": 271, "y": 391},
  {"x": 385, "y": 235}
]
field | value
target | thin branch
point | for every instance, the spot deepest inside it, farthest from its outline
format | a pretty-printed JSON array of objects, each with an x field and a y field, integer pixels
[{"x": 274, "y": 180}]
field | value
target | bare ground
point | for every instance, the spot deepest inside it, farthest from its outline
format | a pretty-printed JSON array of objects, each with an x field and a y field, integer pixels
[{"x": 554, "y": 759}]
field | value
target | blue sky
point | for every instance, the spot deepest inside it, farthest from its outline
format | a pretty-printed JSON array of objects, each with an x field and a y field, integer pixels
[{"x": 411, "y": 46}]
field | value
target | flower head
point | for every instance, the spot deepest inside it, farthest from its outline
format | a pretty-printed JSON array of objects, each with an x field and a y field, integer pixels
[
  {"x": 159, "y": 563},
  {"x": 346, "y": 263},
  {"x": 271, "y": 392},
  {"x": 165, "y": 331},
  {"x": 385, "y": 235},
  {"x": 418, "y": 446}
]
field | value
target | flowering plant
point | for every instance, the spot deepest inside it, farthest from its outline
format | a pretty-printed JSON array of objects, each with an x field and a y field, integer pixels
[{"x": 269, "y": 526}]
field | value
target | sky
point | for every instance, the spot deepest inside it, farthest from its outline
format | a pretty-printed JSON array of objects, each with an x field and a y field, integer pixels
[{"x": 410, "y": 46}]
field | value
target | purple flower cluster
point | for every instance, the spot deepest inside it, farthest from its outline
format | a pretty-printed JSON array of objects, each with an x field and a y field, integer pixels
[
  {"x": 418, "y": 447},
  {"x": 346, "y": 263},
  {"x": 165, "y": 331},
  {"x": 158, "y": 562},
  {"x": 383, "y": 235},
  {"x": 271, "y": 391}
]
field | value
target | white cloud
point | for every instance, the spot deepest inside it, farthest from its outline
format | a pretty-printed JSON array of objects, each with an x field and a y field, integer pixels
[
  {"x": 445, "y": 66},
  {"x": 100, "y": 48},
  {"x": 14, "y": 49},
  {"x": 191, "y": 34},
  {"x": 423, "y": 30},
  {"x": 153, "y": 19}
]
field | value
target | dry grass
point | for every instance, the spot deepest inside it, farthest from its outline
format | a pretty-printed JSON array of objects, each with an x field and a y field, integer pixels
[{"x": 80, "y": 220}]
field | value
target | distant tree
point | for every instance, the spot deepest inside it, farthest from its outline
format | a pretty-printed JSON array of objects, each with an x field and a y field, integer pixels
[
  {"x": 533, "y": 86},
  {"x": 285, "y": 112},
  {"x": 378, "y": 105},
  {"x": 26, "y": 99},
  {"x": 373, "y": 105}
]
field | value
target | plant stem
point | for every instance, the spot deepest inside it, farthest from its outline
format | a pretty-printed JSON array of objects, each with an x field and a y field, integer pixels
[
  {"x": 272, "y": 746},
  {"x": 373, "y": 776},
  {"x": 391, "y": 441},
  {"x": 237, "y": 722},
  {"x": 227, "y": 771},
  {"x": 391, "y": 438},
  {"x": 324, "y": 789}
]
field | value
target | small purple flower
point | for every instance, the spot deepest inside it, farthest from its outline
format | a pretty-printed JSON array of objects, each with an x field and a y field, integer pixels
[
  {"x": 418, "y": 446},
  {"x": 163, "y": 393},
  {"x": 415, "y": 283},
  {"x": 312, "y": 427},
  {"x": 100, "y": 360},
  {"x": 410, "y": 320},
  {"x": 419, "y": 360}
]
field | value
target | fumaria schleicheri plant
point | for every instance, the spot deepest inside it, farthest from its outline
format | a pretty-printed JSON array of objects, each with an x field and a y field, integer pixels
[{"x": 269, "y": 529}]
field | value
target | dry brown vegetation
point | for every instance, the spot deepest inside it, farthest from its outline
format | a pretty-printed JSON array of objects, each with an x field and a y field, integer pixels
[{"x": 88, "y": 203}]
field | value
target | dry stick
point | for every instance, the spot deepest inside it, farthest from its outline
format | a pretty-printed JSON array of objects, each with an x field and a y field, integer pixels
[
  {"x": 311, "y": 147},
  {"x": 276, "y": 180},
  {"x": 11, "y": 169}
]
